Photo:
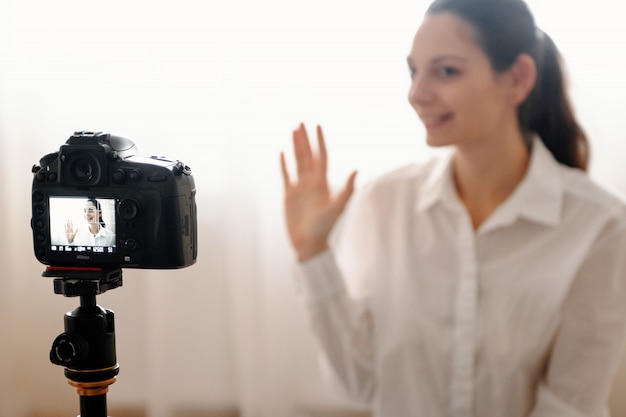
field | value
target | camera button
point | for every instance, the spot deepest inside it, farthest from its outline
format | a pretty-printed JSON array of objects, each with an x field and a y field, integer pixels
[
  {"x": 39, "y": 211},
  {"x": 131, "y": 244},
  {"x": 119, "y": 176},
  {"x": 38, "y": 197},
  {"x": 135, "y": 175},
  {"x": 128, "y": 209},
  {"x": 40, "y": 225}
]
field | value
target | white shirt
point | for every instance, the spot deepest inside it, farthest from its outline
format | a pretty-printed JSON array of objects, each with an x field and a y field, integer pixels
[
  {"x": 419, "y": 315},
  {"x": 84, "y": 237}
]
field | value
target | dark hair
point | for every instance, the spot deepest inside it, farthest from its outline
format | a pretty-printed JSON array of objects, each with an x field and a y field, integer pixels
[
  {"x": 99, "y": 208},
  {"x": 504, "y": 29}
]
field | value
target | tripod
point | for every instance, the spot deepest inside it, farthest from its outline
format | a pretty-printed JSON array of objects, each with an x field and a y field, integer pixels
[{"x": 87, "y": 347}]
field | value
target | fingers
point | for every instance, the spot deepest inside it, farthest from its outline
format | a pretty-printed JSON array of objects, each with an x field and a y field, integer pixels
[
  {"x": 283, "y": 166},
  {"x": 322, "y": 150},
  {"x": 302, "y": 148},
  {"x": 306, "y": 161}
]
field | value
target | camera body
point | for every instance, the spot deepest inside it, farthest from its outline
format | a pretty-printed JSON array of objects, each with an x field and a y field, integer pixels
[{"x": 95, "y": 203}]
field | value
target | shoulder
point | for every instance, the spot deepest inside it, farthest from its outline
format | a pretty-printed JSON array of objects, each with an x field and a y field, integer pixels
[
  {"x": 584, "y": 195},
  {"x": 105, "y": 231},
  {"x": 580, "y": 186}
]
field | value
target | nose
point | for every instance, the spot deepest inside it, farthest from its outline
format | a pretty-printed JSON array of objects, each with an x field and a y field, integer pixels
[{"x": 420, "y": 92}]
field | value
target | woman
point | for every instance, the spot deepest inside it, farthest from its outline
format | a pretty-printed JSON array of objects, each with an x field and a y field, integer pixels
[
  {"x": 94, "y": 231},
  {"x": 487, "y": 282}
]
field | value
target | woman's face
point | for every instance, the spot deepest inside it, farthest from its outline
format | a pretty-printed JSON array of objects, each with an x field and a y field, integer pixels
[
  {"x": 90, "y": 212},
  {"x": 454, "y": 90}
]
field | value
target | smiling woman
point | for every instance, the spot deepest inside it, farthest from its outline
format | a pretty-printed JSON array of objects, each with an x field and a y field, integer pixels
[{"x": 522, "y": 253}]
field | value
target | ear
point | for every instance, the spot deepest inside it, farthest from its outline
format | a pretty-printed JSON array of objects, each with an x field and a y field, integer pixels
[{"x": 523, "y": 76}]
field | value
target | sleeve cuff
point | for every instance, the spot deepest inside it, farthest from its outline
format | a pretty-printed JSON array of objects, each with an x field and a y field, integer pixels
[{"x": 319, "y": 278}]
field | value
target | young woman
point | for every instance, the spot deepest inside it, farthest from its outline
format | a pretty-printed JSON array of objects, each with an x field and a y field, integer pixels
[
  {"x": 487, "y": 282},
  {"x": 93, "y": 232}
]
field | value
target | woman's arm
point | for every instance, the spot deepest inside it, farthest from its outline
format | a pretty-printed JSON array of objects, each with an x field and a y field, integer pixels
[
  {"x": 342, "y": 325},
  {"x": 340, "y": 321},
  {"x": 589, "y": 344}
]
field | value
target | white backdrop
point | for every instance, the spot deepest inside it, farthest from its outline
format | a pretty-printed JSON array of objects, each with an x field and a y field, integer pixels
[{"x": 220, "y": 84}]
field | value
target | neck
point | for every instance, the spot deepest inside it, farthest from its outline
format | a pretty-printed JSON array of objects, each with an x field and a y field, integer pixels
[
  {"x": 486, "y": 174},
  {"x": 94, "y": 228}
]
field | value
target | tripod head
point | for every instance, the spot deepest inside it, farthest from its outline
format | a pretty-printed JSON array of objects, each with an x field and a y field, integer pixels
[
  {"x": 83, "y": 281},
  {"x": 87, "y": 347}
]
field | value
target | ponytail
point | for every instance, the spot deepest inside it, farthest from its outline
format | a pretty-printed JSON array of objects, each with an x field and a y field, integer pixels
[
  {"x": 548, "y": 112},
  {"x": 504, "y": 29}
]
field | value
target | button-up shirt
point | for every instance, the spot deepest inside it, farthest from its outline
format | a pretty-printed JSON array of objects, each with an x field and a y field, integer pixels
[{"x": 420, "y": 315}]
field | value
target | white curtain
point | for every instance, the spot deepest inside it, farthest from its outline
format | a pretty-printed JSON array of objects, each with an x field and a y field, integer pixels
[{"x": 220, "y": 84}]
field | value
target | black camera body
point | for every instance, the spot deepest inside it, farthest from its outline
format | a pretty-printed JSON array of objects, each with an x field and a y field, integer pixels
[{"x": 96, "y": 204}]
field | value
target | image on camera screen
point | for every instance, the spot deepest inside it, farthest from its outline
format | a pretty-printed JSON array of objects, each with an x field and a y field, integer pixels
[{"x": 82, "y": 224}]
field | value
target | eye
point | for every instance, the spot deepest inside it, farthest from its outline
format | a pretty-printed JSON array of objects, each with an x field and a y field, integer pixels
[
  {"x": 447, "y": 71},
  {"x": 412, "y": 71}
]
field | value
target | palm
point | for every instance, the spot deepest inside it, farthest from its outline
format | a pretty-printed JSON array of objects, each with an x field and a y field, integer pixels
[
  {"x": 70, "y": 231},
  {"x": 311, "y": 210}
]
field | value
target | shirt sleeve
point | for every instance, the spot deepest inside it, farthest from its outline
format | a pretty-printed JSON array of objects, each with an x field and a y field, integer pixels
[
  {"x": 341, "y": 324},
  {"x": 589, "y": 344}
]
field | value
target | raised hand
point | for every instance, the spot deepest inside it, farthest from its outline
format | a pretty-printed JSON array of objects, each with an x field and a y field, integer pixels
[
  {"x": 310, "y": 208},
  {"x": 70, "y": 231}
]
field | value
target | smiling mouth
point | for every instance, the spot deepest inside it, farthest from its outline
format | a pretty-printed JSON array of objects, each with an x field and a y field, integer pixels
[{"x": 434, "y": 122}]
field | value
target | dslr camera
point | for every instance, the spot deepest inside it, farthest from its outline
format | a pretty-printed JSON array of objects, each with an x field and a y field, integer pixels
[{"x": 95, "y": 203}]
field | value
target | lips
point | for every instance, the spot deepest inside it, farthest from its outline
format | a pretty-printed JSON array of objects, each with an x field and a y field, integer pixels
[{"x": 435, "y": 121}]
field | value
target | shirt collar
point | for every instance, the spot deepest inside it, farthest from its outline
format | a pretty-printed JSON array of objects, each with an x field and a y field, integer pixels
[
  {"x": 439, "y": 184},
  {"x": 538, "y": 197}
]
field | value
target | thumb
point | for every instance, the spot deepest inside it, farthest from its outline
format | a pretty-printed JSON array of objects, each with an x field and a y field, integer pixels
[{"x": 346, "y": 193}]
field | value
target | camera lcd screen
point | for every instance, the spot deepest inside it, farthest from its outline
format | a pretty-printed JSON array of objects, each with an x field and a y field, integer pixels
[{"x": 82, "y": 225}]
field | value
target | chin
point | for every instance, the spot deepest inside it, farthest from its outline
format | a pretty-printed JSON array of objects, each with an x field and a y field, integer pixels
[{"x": 438, "y": 141}]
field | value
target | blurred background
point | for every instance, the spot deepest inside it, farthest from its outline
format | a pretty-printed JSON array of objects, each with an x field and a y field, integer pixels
[{"x": 220, "y": 84}]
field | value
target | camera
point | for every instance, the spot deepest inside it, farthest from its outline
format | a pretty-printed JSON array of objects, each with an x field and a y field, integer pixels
[{"x": 96, "y": 203}]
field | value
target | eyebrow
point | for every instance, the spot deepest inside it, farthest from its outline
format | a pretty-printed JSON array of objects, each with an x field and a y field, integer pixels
[{"x": 440, "y": 58}]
